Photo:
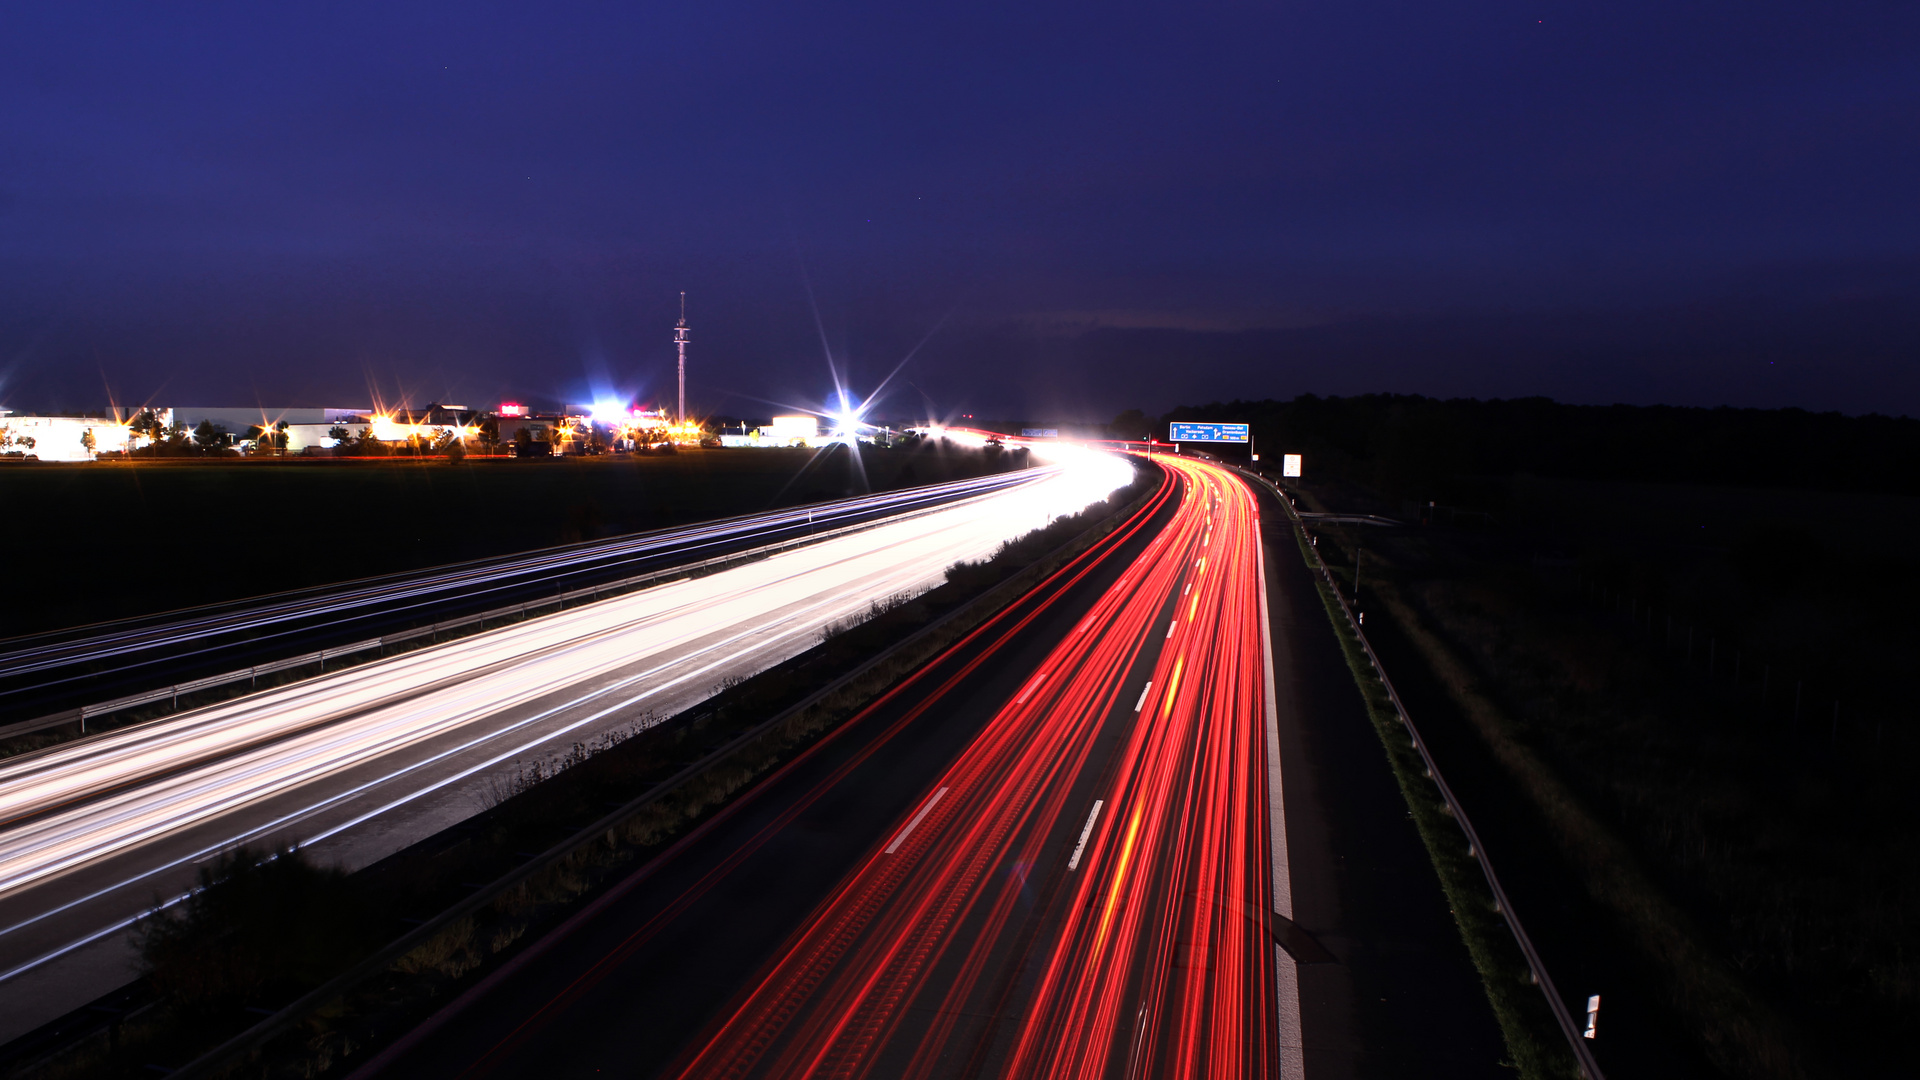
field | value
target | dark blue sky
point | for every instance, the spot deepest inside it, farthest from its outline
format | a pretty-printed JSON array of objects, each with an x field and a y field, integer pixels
[{"x": 1097, "y": 205}]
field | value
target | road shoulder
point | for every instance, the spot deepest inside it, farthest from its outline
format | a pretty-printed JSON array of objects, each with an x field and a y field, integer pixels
[{"x": 1402, "y": 996}]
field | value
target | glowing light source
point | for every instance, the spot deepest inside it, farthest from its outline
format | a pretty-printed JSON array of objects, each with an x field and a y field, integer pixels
[
  {"x": 609, "y": 411},
  {"x": 793, "y": 427}
]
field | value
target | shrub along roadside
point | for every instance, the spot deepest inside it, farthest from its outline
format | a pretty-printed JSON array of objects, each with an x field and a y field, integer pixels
[
  {"x": 687, "y": 768},
  {"x": 1532, "y": 1035},
  {"x": 1740, "y": 1034},
  {"x": 227, "y": 945}
]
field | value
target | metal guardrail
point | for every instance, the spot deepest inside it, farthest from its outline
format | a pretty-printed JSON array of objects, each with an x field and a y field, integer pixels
[
  {"x": 248, "y": 674},
  {"x": 1576, "y": 1041},
  {"x": 1348, "y": 519}
]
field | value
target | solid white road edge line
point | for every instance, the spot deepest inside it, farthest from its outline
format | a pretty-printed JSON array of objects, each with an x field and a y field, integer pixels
[{"x": 1286, "y": 972}]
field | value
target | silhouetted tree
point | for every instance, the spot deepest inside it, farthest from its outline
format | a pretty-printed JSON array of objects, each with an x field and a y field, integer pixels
[
  {"x": 1132, "y": 425},
  {"x": 209, "y": 435}
]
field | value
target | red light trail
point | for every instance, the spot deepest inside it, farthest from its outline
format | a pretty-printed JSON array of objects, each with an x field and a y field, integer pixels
[{"x": 1008, "y": 926}]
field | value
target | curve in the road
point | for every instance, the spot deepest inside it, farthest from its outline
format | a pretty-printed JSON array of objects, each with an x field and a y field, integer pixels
[
  {"x": 1082, "y": 886},
  {"x": 1148, "y": 949}
]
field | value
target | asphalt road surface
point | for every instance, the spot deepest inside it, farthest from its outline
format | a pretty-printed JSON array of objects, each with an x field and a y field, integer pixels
[
  {"x": 1064, "y": 847},
  {"x": 361, "y": 763},
  {"x": 1396, "y": 994},
  {"x": 1049, "y": 853},
  {"x": 46, "y": 673}
]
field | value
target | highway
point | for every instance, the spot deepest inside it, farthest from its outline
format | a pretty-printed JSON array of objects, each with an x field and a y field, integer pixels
[
  {"x": 42, "y": 674},
  {"x": 1051, "y": 852},
  {"x": 362, "y": 762}
]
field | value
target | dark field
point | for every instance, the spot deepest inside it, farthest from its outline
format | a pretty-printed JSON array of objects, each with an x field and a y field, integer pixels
[
  {"x": 1704, "y": 692},
  {"x": 94, "y": 542}
]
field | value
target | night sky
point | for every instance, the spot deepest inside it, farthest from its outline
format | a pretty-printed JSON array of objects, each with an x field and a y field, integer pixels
[{"x": 1078, "y": 208}]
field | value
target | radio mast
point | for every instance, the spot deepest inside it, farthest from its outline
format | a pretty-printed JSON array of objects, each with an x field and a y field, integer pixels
[{"x": 680, "y": 340}]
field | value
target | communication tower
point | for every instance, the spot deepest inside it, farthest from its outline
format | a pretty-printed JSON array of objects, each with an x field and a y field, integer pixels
[{"x": 680, "y": 340}]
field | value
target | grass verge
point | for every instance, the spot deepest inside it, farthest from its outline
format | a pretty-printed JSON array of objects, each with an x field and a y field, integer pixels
[
  {"x": 1740, "y": 1033},
  {"x": 1533, "y": 1037}
]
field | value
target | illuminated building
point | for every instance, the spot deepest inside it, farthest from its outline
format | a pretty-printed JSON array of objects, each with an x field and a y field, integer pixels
[{"x": 61, "y": 438}]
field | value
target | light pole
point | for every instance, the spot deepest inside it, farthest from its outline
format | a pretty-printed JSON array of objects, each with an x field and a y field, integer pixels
[{"x": 680, "y": 342}]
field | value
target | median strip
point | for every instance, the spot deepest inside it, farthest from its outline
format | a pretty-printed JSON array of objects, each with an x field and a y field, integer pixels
[{"x": 366, "y": 1001}]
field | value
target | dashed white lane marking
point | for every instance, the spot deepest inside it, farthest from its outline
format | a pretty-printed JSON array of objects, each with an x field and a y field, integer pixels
[
  {"x": 1031, "y": 687},
  {"x": 1074, "y": 863},
  {"x": 904, "y": 833}
]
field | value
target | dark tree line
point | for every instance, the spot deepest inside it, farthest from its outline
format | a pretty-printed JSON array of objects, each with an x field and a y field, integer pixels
[{"x": 1411, "y": 446}]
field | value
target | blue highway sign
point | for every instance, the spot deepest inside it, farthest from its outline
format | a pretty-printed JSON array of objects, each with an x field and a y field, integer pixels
[{"x": 1207, "y": 433}]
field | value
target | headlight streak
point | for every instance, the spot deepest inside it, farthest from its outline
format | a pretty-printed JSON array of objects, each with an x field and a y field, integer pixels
[
  {"x": 988, "y": 638},
  {"x": 311, "y": 809},
  {"x": 545, "y": 737},
  {"x": 1152, "y": 943},
  {"x": 675, "y": 615},
  {"x": 492, "y": 575},
  {"x": 88, "y": 800}
]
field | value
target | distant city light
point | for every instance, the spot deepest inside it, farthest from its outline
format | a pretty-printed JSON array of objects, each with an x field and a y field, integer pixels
[
  {"x": 512, "y": 408},
  {"x": 793, "y": 427},
  {"x": 608, "y": 411}
]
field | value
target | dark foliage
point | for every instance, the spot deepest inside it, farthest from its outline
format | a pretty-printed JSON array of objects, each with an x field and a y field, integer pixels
[
  {"x": 1413, "y": 447},
  {"x": 321, "y": 520},
  {"x": 1719, "y": 674},
  {"x": 258, "y": 930}
]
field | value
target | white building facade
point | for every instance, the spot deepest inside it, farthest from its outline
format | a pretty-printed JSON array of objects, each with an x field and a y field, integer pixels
[{"x": 61, "y": 438}]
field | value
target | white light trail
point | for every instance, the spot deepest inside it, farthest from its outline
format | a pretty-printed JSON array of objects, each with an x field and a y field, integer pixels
[
  {"x": 480, "y": 578},
  {"x": 80, "y": 802}
]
